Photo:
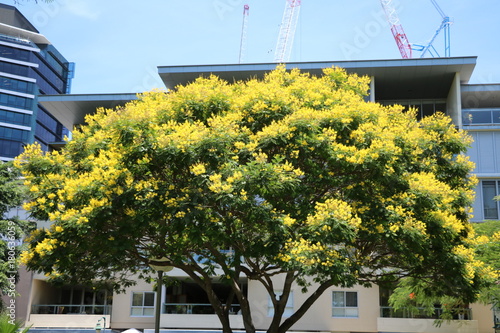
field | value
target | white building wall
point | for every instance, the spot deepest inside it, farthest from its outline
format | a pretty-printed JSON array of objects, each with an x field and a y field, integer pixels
[
  {"x": 122, "y": 304},
  {"x": 319, "y": 317}
]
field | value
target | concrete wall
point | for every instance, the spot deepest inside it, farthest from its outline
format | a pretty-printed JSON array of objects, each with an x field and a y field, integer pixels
[
  {"x": 120, "y": 313},
  {"x": 66, "y": 321},
  {"x": 484, "y": 316},
  {"x": 43, "y": 293},
  {"x": 198, "y": 321},
  {"x": 319, "y": 317},
  {"x": 402, "y": 325},
  {"x": 454, "y": 102}
]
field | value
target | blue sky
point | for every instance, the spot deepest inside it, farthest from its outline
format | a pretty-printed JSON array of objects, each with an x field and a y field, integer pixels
[{"x": 117, "y": 45}]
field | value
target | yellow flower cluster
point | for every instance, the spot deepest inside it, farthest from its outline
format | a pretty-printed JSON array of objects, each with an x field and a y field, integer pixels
[
  {"x": 216, "y": 184},
  {"x": 449, "y": 221},
  {"x": 182, "y": 135},
  {"x": 335, "y": 209},
  {"x": 411, "y": 223},
  {"x": 198, "y": 169},
  {"x": 288, "y": 221},
  {"x": 426, "y": 183},
  {"x": 26, "y": 256},
  {"x": 473, "y": 266},
  {"x": 45, "y": 246}
]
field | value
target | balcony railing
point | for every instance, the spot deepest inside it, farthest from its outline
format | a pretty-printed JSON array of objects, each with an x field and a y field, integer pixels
[
  {"x": 389, "y": 312},
  {"x": 483, "y": 117},
  {"x": 70, "y": 309},
  {"x": 194, "y": 308},
  {"x": 17, "y": 40}
]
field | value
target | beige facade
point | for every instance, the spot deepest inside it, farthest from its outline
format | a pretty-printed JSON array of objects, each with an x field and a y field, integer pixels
[
  {"x": 121, "y": 310},
  {"x": 320, "y": 317}
]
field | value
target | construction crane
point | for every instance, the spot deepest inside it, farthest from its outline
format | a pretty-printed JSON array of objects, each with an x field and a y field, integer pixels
[
  {"x": 397, "y": 29},
  {"x": 287, "y": 31},
  {"x": 243, "y": 42},
  {"x": 445, "y": 27}
]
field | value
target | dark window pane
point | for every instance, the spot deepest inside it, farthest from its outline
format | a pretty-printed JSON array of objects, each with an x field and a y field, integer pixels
[
  {"x": 440, "y": 107},
  {"x": 489, "y": 204},
  {"x": 481, "y": 117},
  {"x": 496, "y": 117},
  {"x": 427, "y": 110},
  {"x": 351, "y": 298},
  {"x": 149, "y": 299}
]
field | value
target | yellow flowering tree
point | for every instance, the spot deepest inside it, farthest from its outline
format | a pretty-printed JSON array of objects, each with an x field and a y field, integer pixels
[{"x": 294, "y": 175}]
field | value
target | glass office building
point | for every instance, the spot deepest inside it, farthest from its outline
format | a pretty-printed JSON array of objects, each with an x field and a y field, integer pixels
[{"x": 29, "y": 66}]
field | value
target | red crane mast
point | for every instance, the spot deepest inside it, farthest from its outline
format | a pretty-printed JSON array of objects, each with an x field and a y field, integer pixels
[
  {"x": 246, "y": 12},
  {"x": 396, "y": 29}
]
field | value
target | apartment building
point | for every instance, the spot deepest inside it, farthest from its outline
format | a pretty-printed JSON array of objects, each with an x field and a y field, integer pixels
[{"x": 430, "y": 85}]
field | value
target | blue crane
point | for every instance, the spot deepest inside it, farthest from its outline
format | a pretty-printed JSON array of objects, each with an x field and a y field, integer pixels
[{"x": 445, "y": 26}]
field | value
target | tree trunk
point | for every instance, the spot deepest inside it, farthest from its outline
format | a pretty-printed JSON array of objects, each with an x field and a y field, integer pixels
[
  {"x": 245, "y": 307},
  {"x": 290, "y": 321},
  {"x": 220, "y": 310},
  {"x": 206, "y": 284},
  {"x": 280, "y": 304}
]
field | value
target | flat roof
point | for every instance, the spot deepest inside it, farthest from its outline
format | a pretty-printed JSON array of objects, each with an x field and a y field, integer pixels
[
  {"x": 71, "y": 109},
  {"x": 394, "y": 79},
  {"x": 404, "y": 78}
]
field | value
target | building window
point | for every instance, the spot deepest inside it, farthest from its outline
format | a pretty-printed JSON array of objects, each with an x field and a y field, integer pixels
[
  {"x": 345, "y": 304},
  {"x": 143, "y": 304},
  {"x": 288, "y": 308},
  {"x": 490, "y": 205},
  {"x": 423, "y": 107}
]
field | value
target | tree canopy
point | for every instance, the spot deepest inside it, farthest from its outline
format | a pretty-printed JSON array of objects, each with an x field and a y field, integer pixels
[
  {"x": 12, "y": 229},
  {"x": 293, "y": 174},
  {"x": 485, "y": 241},
  {"x": 487, "y": 247}
]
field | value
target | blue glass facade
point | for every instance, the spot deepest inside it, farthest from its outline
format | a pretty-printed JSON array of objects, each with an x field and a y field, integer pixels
[{"x": 27, "y": 70}]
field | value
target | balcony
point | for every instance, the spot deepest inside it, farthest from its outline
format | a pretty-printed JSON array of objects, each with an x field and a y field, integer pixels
[
  {"x": 402, "y": 321},
  {"x": 68, "y": 315},
  {"x": 481, "y": 117},
  {"x": 194, "y": 308},
  {"x": 196, "y": 315},
  {"x": 389, "y": 312},
  {"x": 70, "y": 309}
]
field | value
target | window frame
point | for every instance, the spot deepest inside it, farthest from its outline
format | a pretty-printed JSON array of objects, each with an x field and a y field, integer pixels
[
  {"x": 346, "y": 309},
  {"x": 496, "y": 188},
  {"x": 142, "y": 307}
]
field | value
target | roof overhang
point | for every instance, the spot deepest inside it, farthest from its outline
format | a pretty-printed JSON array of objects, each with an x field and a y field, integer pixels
[
  {"x": 401, "y": 78},
  {"x": 71, "y": 110},
  {"x": 22, "y": 33},
  {"x": 480, "y": 95},
  {"x": 394, "y": 80}
]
